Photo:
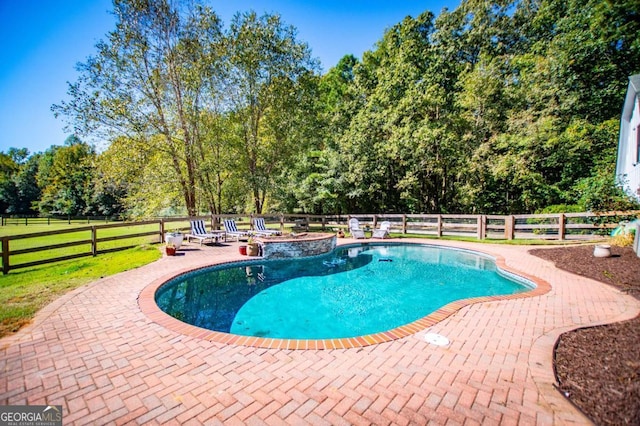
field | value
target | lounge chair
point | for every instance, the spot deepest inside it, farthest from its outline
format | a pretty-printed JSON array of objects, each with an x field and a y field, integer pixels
[
  {"x": 383, "y": 231},
  {"x": 354, "y": 229},
  {"x": 261, "y": 229},
  {"x": 199, "y": 232},
  {"x": 231, "y": 230}
]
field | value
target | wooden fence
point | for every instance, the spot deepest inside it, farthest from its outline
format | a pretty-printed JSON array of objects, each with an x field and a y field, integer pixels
[
  {"x": 49, "y": 220},
  {"x": 565, "y": 226}
]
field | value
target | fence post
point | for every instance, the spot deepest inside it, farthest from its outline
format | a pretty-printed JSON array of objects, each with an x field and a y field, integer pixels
[
  {"x": 281, "y": 222},
  {"x": 482, "y": 227},
  {"x": 439, "y": 226},
  {"x": 161, "y": 231},
  {"x": 509, "y": 227},
  {"x": 5, "y": 255},
  {"x": 561, "y": 230},
  {"x": 323, "y": 218},
  {"x": 404, "y": 223},
  {"x": 94, "y": 241}
]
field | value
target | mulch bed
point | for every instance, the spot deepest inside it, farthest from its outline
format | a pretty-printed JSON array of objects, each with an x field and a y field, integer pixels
[{"x": 598, "y": 368}]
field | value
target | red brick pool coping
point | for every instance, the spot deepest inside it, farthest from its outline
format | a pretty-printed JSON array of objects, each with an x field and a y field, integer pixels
[{"x": 148, "y": 306}]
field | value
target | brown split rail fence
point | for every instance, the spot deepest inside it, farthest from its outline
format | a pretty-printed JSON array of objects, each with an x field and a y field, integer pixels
[
  {"x": 92, "y": 240},
  {"x": 49, "y": 220}
]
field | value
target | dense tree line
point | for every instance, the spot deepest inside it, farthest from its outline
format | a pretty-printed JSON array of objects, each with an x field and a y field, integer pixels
[
  {"x": 495, "y": 107},
  {"x": 61, "y": 181}
]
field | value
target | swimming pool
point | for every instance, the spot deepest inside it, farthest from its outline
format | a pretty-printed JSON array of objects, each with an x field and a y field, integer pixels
[{"x": 352, "y": 291}]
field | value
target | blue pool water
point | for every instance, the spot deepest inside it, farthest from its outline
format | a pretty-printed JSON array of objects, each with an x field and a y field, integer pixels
[{"x": 349, "y": 292}]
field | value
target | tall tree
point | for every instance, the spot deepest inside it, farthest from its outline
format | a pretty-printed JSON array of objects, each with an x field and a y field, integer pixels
[
  {"x": 271, "y": 88},
  {"x": 19, "y": 191},
  {"x": 401, "y": 146},
  {"x": 594, "y": 48},
  {"x": 9, "y": 167},
  {"x": 65, "y": 175},
  {"x": 26, "y": 184},
  {"x": 314, "y": 181},
  {"x": 152, "y": 76},
  {"x": 148, "y": 190}
]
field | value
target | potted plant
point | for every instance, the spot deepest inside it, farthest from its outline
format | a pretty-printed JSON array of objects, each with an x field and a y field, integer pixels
[
  {"x": 252, "y": 247},
  {"x": 174, "y": 237},
  {"x": 170, "y": 249}
]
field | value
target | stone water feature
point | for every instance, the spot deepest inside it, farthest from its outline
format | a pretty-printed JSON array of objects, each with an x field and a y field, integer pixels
[{"x": 296, "y": 245}]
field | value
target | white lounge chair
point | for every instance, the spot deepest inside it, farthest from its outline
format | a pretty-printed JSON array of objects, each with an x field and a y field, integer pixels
[
  {"x": 383, "y": 231},
  {"x": 231, "y": 230},
  {"x": 354, "y": 228},
  {"x": 199, "y": 232},
  {"x": 261, "y": 229}
]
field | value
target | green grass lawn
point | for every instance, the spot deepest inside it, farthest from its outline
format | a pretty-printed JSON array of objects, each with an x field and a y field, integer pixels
[
  {"x": 23, "y": 292},
  {"x": 26, "y": 290},
  {"x": 76, "y": 236}
]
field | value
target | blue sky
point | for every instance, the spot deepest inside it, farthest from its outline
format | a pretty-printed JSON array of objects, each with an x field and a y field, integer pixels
[{"x": 43, "y": 40}]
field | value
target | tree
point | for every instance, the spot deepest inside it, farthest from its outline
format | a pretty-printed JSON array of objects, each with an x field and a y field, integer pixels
[
  {"x": 499, "y": 106},
  {"x": 153, "y": 76},
  {"x": 26, "y": 184},
  {"x": 313, "y": 182},
  {"x": 65, "y": 175},
  {"x": 18, "y": 187},
  {"x": 401, "y": 147},
  {"x": 143, "y": 191},
  {"x": 217, "y": 159},
  {"x": 594, "y": 49},
  {"x": 8, "y": 190},
  {"x": 601, "y": 193},
  {"x": 549, "y": 95},
  {"x": 271, "y": 87}
]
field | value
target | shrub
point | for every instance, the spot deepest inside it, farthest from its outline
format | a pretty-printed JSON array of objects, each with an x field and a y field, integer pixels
[
  {"x": 622, "y": 240},
  {"x": 561, "y": 208}
]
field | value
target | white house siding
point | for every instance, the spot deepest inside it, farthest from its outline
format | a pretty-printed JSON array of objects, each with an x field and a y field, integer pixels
[{"x": 628, "y": 161}]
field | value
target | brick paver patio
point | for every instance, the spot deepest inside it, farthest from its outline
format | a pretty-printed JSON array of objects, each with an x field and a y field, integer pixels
[{"x": 96, "y": 353}]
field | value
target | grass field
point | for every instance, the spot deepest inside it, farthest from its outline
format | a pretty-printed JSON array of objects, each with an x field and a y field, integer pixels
[
  {"x": 77, "y": 237},
  {"x": 24, "y": 291}
]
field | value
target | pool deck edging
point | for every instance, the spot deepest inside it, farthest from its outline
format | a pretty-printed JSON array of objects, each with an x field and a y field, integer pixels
[{"x": 147, "y": 304}]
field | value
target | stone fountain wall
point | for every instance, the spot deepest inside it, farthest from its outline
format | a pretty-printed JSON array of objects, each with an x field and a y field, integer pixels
[{"x": 310, "y": 245}]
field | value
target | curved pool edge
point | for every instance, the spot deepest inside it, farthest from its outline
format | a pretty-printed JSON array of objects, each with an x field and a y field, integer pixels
[{"x": 148, "y": 306}]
